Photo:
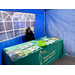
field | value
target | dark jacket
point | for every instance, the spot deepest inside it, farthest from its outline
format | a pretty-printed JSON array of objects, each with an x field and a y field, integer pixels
[{"x": 29, "y": 36}]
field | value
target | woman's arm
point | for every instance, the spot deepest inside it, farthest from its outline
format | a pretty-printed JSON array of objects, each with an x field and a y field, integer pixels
[{"x": 33, "y": 36}]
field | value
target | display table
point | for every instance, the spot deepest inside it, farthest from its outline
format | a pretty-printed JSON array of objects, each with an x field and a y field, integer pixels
[{"x": 42, "y": 56}]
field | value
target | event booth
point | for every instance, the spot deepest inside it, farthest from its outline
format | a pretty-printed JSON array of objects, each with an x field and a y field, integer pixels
[{"x": 57, "y": 23}]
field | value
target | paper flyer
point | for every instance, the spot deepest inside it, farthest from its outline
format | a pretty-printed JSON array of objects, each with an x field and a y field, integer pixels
[
  {"x": 47, "y": 43},
  {"x": 35, "y": 47},
  {"x": 31, "y": 49},
  {"x": 21, "y": 47},
  {"x": 54, "y": 39},
  {"x": 51, "y": 41},
  {"x": 46, "y": 39},
  {"x": 26, "y": 46},
  {"x": 14, "y": 54},
  {"x": 26, "y": 51},
  {"x": 30, "y": 44}
]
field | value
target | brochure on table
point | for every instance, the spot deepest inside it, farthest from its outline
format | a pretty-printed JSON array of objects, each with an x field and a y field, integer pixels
[
  {"x": 26, "y": 46},
  {"x": 50, "y": 40},
  {"x": 21, "y": 47},
  {"x": 31, "y": 49},
  {"x": 53, "y": 39},
  {"x": 14, "y": 54},
  {"x": 45, "y": 39},
  {"x": 26, "y": 51},
  {"x": 35, "y": 47},
  {"x": 30, "y": 44}
]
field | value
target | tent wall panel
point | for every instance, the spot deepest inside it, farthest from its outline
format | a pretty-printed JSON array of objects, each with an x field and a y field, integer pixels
[
  {"x": 8, "y": 43},
  {"x": 60, "y": 23},
  {"x": 14, "y": 41}
]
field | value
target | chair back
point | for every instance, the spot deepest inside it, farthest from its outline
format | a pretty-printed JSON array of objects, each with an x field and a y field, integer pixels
[{"x": 23, "y": 38}]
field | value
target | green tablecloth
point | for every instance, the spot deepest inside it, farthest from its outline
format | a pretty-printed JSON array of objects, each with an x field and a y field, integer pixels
[{"x": 43, "y": 56}]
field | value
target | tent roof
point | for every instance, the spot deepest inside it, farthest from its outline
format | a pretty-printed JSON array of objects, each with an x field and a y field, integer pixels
[
  {"x": 42, "y": 9},
  {"x": 23, "y": 9}
]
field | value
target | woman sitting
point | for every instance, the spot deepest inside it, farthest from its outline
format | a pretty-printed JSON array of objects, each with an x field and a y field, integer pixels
[{"x": 29, "y": 35}]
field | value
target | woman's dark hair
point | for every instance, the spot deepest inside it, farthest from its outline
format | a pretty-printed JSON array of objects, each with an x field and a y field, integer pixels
[{"x": 26, "y": 31}]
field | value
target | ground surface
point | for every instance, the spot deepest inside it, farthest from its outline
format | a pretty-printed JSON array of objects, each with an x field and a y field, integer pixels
[{"x": 67, "y": 60}]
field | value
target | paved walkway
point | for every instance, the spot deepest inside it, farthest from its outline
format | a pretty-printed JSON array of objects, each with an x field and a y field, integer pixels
[{"x": 67, "y": 60}]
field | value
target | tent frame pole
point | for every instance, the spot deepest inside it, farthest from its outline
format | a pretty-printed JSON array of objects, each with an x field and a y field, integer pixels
[{"x": 45, "y": 22}]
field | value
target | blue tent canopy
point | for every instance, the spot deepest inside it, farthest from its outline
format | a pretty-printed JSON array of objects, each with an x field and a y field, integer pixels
[{"x": 58, "y": 23}]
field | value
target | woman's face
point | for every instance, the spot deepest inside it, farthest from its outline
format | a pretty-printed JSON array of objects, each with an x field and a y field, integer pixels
[{"x": 29, "y": 30}]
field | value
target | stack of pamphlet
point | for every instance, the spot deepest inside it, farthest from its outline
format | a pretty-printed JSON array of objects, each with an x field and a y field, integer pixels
[
  {"x": 26, "y": 46},
  {"x": 26, "y": 51},
  {"x": 30, "y": 44},
  {"x": 36, "y": 47},
  {"x": 21, "y": 47},
  {"x": 46, "y": 39},
  {"x": 54, "y": 39},
  {"x": 31, "y": 49},
  {"x": 14, "y": 54},
  {"x": 51, "y": 41},
  {"x": 47, "y": 43}
]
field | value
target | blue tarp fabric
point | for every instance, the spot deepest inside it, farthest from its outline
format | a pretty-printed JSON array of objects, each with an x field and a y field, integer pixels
[
  {"x": 60, "y": 23},
  {"x": 38, "y": 30}
]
